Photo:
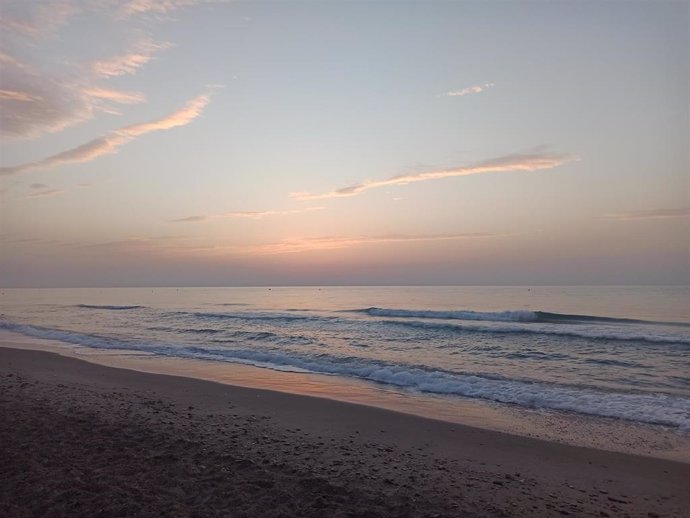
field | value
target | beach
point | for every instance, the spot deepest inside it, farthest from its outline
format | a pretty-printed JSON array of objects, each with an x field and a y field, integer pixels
[
  {"x": 80, "y": 439},
  {"x": 344, "y": 259}
]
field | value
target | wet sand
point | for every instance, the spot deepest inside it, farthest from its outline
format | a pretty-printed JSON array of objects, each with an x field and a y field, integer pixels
[{"x": 78, "y": 439}]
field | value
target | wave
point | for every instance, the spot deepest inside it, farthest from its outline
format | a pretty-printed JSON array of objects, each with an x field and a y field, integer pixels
[
  {"x": 506, "y": 316},
  {"x": 501, "y": 316},
  {"x": 564, "y": 318},
  {"x": 200, "y": 330},
  {"x": 591, "y": 333},
  {"x": 114, "y": 308},
  {"x": 657, "y": 408},
  {"x": 257, "y": 316},
  {"x": 239, "y": 335},
  {"x": 71, "y": 337},
  {"x": 501, "y": 323}
]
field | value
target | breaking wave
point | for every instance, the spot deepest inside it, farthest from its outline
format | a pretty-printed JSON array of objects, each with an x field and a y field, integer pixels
[
  {"x": 657, "y": 408},
  {"x": 500, "y": 316},
  {"x": 506, "y": 316},
  {"x": 590, "y": 333}
]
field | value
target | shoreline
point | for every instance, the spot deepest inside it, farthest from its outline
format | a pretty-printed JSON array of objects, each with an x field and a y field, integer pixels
[
  {"x": 73, "y": 424},
  {"x": 553, "y": 426}
]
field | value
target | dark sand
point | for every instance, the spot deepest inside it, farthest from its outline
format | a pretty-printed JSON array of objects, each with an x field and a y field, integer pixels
[{"x": 78, "y": 439}]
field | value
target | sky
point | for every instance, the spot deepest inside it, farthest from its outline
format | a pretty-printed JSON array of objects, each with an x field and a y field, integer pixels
[{"x": 222, "y": 143}]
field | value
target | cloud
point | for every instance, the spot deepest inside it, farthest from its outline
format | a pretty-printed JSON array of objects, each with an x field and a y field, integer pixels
[
  {"x": 36, "y": 20},
  {"x": 470, "y": 90},
  {"x": 136, "y": 7},
  {"x": 190, "y": 219},
  {"x": 41, "y": 190},
  {"x": 111, "y": 142},
  {"x": 504, "y": 164},
  {"x": 128, "y": 63},
  {"x": 181, "y": 117},
  {"x": 246, "y": 214},
  {"x": 12, "y": 95},
  {"x": 331, "y": 243},
  {"x": 32, "y": 102},
  {"x": 146, "y": 243},
  {"x": 22, "y": 240},
  {"x": 6, "y": 59},
  {"x": 118, "y": 96},
  {"x": 45, "y": 192},
  {"x": 312, "y": 244},
  {"x": 40, "y": 94},
  {"x": 181, "y": 245},
  {"x": 265, "y": 213},
  {"x": 651, "y": 214},
  {"x": 101, "y": 98}
]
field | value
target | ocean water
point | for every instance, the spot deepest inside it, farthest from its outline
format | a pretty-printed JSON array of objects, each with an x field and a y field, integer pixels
[{"x": 618, "y": 352}]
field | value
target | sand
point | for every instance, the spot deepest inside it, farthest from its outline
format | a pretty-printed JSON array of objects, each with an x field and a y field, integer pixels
[{"x": 78, "y": 439}]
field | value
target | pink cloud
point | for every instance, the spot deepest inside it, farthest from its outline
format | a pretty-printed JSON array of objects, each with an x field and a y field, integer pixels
[
  {"x": 504, "y": 164},
  {"x": 651, "y": 214},
  {"x": 129, "y": 62},
  {"x": 112, "y": 141},
  {"x": 470, "y": 90}
]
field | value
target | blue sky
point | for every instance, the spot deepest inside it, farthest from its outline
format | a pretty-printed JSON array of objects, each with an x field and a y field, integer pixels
[{"x": 187, "y": 142}]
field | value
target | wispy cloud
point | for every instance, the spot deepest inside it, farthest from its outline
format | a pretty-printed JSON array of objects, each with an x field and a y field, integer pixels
[
  {"x": 112, "y": 141},
  {"x": 190, "y": 219},
  {"x": 504, "y": 164},
  {"x": 470, "y": 90},
  {"x": 183, "y": 245},
  {"x": 265, "y": 213},
  {"x": 13, "y": 95},
  {"x": 651, "y": 214},
  {"x": 33, "y": 102},
  {"x": 135, "y": 7},
  {"x": 246, "y": 214},
  {"x": 39, "y": 241},
  {"x": 136, "y": 243},
  {"x": 129, "y": 62},
  {"x": 312, "y": 244},
  {"x": 41, "y": 190},
  {"x": 118, "y": 96},
  {"x": 40, "y": 95},
  {"x": 181, "y": 117},
  {"x": 6, "y": 59},
  {"x": 46, "y": 194},
  {"x": 102, "y": 98},
  {"x": 331, "y": 243},
  {"x": 36, "y": 20}
]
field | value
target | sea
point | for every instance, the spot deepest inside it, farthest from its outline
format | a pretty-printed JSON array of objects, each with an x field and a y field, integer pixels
[{"x": 615, "y": 352}]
